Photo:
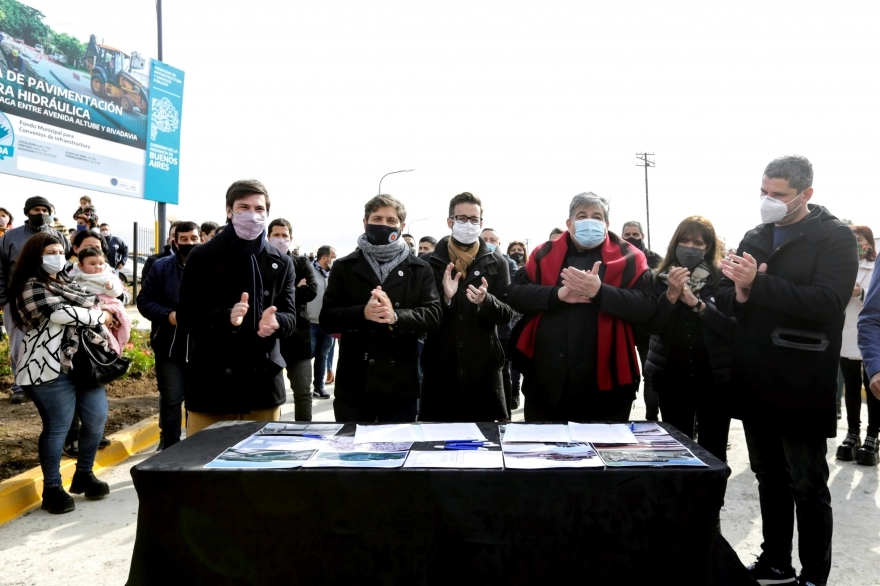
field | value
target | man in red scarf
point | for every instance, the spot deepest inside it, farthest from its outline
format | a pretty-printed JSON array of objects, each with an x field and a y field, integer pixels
[{"x": 579, "y": 294}]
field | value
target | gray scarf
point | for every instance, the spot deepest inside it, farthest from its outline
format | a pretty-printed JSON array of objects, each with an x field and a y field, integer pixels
[{"x": 383, "y": 257}]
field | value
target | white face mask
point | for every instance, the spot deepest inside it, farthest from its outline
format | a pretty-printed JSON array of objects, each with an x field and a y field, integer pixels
[
  {"x": 774, "y": 211},
  {"x": 53, "y": 263},
  {"x": 282, "y": 244},
  {"x": 466, "y": 233},
  {"x": 105, "y": 233}
]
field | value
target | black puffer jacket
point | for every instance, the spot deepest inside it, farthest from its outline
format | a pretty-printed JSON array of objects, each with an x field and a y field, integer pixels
[
  {"x": 790, "y": 329},
  {"x": 718, "y": 330}
]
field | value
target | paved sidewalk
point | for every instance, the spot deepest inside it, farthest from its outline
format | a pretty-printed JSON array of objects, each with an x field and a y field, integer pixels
[{"x": 93, "y": 544}]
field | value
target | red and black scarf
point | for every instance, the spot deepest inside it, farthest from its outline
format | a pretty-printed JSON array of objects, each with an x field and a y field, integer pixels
[{"x": 622, "y": 265}]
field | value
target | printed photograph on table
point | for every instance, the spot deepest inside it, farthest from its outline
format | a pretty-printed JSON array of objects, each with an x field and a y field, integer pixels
[
  {"x": 85, "y": 107},
  {"x": 285, "y": 443},
  {"x": 356, "y": 459},
  {"x": 550, "y": 455},
  {"x": 346, "y": 444},
  {"x": 234, "y": 458},
  {"x": 616, "y": 457},
  {"x": 315, "y": 429}
]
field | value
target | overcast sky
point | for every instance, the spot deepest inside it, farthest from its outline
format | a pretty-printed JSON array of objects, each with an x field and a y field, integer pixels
[{"x": 523, "y": 103}]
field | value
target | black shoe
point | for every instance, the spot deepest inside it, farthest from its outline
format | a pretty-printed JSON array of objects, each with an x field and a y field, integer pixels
[
  {"x": 70, "y": 448},
  {"x": 867, "y": 454},
  {"x": 846, "y": 451},
  {"x": 19, "y": 397},
  {"x": 56, "y": 501},
  {"x": 105, "y": 441},
  {"x": 85, "y": 482},
  {"x": 802, "y": 582},
  {"x": 322, "y": 394},
  {"x": 765, "y": 574}
]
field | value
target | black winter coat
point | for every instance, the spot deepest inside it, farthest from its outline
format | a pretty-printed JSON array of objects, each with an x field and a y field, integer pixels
[
  {"x": 299, "y": 346},
  {"x": 375, "y": 359},
  {"x": 462, "y": 361},
  {"x": 232, "y": 369},
  {"x": 790, "y": 329},
  {"x": 718, "y": 330}
]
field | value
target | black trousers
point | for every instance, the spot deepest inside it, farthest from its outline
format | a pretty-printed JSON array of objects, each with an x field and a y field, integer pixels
[
  {"x": 374, "y": 408},
  {"x": 696, "y": 401},
  {"x": 792, "y": 476},
  {"x": 854, "y": 376},
  {"x": 596, "y": 406},
  {"x": 652, "y": 405}
]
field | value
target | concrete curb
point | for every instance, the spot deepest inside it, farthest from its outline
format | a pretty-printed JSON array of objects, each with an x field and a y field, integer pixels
[{"x": 23, "y": 493}]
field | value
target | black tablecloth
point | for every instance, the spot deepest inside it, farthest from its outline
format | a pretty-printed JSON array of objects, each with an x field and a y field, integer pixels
[{"x": 422, "y": 526}]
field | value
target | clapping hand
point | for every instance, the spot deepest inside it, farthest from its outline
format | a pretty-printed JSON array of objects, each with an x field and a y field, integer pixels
[
  {"x": 450, "y": 284},
  {"x": 742, "y": 270},
  {"x": 239, "y": 310},
  {"x": 379, "y": 308},
  {"x": 478, "y": 296},
  {"x": 676, "y": 281},
  {"x": 585, "y": 283},
  {"x": 268, "y": 323}
]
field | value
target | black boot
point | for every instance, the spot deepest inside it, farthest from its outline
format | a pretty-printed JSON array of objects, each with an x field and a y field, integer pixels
[
  {"x": 846, "y": 451},
  {"x": 867, "y": 454},
  {"x": 85, "y": 482},
  {"x": 56, "y": 501}
]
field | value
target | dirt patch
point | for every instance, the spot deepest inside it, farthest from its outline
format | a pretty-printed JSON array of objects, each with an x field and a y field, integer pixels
[{"x": 130, "y": 400}]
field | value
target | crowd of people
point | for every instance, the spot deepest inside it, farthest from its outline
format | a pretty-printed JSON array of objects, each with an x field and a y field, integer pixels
[{"x": 445, "y": 329}]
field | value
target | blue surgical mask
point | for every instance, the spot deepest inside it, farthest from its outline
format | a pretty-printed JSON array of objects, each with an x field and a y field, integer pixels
[
  {"x": 589, "y": 232},
  {"x": 491, "y": 247}
]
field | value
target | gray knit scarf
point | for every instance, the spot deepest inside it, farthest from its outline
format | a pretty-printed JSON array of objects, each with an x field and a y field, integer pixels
[{"x": 383, "y": 257}]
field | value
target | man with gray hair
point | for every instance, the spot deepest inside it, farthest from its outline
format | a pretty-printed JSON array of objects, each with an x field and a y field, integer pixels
[
  {"x": 579, "y": 295},
  {"x": 788, "y": 286}
]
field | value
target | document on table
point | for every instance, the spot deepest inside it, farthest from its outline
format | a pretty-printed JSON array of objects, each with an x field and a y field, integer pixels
[
  {"x": 648, "y": 428},
  {"x": 447, "y": 432},
  {"x": 455, "y": 459},
  {"x": 405, "y": 432},
  {"x": 314, "y": 429},
  {"x": 239, "y": 459},
  {"x": 601, "y": 433},
  {"x": 615, "y": 457},
  {"x": 525, "y": 432},
  {"x": 258, "y": 443},
  {"x": 555, "y": 455}
]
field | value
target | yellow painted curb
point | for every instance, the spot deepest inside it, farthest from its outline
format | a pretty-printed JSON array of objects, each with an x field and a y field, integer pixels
[{"x": 23, "y": 493}]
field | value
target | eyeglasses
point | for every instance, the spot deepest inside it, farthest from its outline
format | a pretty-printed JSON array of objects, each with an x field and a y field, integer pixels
[{"x": 466, "y": 219}]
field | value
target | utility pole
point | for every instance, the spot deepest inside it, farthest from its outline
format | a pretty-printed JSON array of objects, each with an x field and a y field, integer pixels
[
  {"x": 646, "y": 163},
  {"x": 161, "y": 228}
]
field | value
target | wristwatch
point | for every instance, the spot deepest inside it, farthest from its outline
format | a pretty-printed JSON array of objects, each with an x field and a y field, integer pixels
[{"x": 700, "y": 308}]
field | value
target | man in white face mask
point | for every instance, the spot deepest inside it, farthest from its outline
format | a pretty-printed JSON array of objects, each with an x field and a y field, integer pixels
[
  {"x": 788, "y": 285},
  {"x": 462, "y": 362}
]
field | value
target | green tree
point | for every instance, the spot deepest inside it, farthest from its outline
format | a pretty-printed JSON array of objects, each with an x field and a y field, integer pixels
[
  {"x": 68, "y": 46},
  {"x": 24, "y": 22}
]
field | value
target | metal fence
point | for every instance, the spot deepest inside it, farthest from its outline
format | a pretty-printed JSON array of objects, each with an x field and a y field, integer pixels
[{"x": 143, "y": 246}]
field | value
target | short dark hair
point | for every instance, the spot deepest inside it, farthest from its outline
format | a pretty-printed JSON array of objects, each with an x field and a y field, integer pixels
[
  {"x": 208, "y": 227},
  {"x": 185, "y": 227},
  {"x": 407, "y": 236},
  {"x": 243, "y": 188},
  {"x": 90, "y": 233},
  {"x": 384, "y": 200},
  {"x": 465, "y": 197},
  {"x": 556, "y": 231},
  {"x": 173, "y": 226},
  {"x": 29, "y": 265},
  {"x": 88, "y": 252},
  {"x": 429, "y": 239},
  {"x": 104, "y": 224},
  {"x": 280, "y": 222},
  {"x": 86, "y": 198},
  {"x": 635, "y": 223},
  {"x": 323, "y": 251},
  {"x": 487, "y": 230},
  {"x": 797, "y": 170}
]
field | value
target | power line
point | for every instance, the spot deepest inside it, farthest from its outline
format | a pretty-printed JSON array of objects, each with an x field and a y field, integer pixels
[{"x": 646, "y": 163}]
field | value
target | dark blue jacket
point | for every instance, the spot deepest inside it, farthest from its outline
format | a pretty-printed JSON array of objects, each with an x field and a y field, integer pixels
[
  {"x": 159, "y": 296},
  {"x": 869, "y": 328},
  {"x": 118, "y": 251}
]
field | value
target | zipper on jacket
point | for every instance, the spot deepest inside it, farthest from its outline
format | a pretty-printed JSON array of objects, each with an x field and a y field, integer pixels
[{"x": 173, "y": 339}]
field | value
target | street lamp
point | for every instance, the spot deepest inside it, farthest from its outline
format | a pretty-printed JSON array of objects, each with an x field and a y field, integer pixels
[
  {"x": 392, "y": 173},
  {"x": 410, "y": 225}
]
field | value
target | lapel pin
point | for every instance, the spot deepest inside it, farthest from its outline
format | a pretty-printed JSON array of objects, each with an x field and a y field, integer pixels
[
  {"x": 476, "y": 273},
  {"x": 274, "y": 265},
  {"x": 400, "y": 273}
]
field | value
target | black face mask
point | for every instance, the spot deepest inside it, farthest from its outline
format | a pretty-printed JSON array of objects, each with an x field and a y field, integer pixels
[
  {"x": 517, "y": 257},
  {"x": 379, "y": 234},
  {"x": 183, "y": 249},
  {"x": 37, "y": 220},
  {"x": 689, "y": 256},
  {"x": 637, "y": 242}
]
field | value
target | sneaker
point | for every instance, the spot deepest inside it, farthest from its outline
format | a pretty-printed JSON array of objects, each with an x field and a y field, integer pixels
[
  {"x": 56, "y": 501},
  {"x": 18, "y": 397},
  {"x": 70, "y": 448},
  {"x": 846, "y": 451},
  {"x": 85, "y": 482},
  {"x": 322, "y": 394},
  {"x": 105, "y": 441},
  {"x": 867, "y": 454},
  {"x": 765, "y": 574}
]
